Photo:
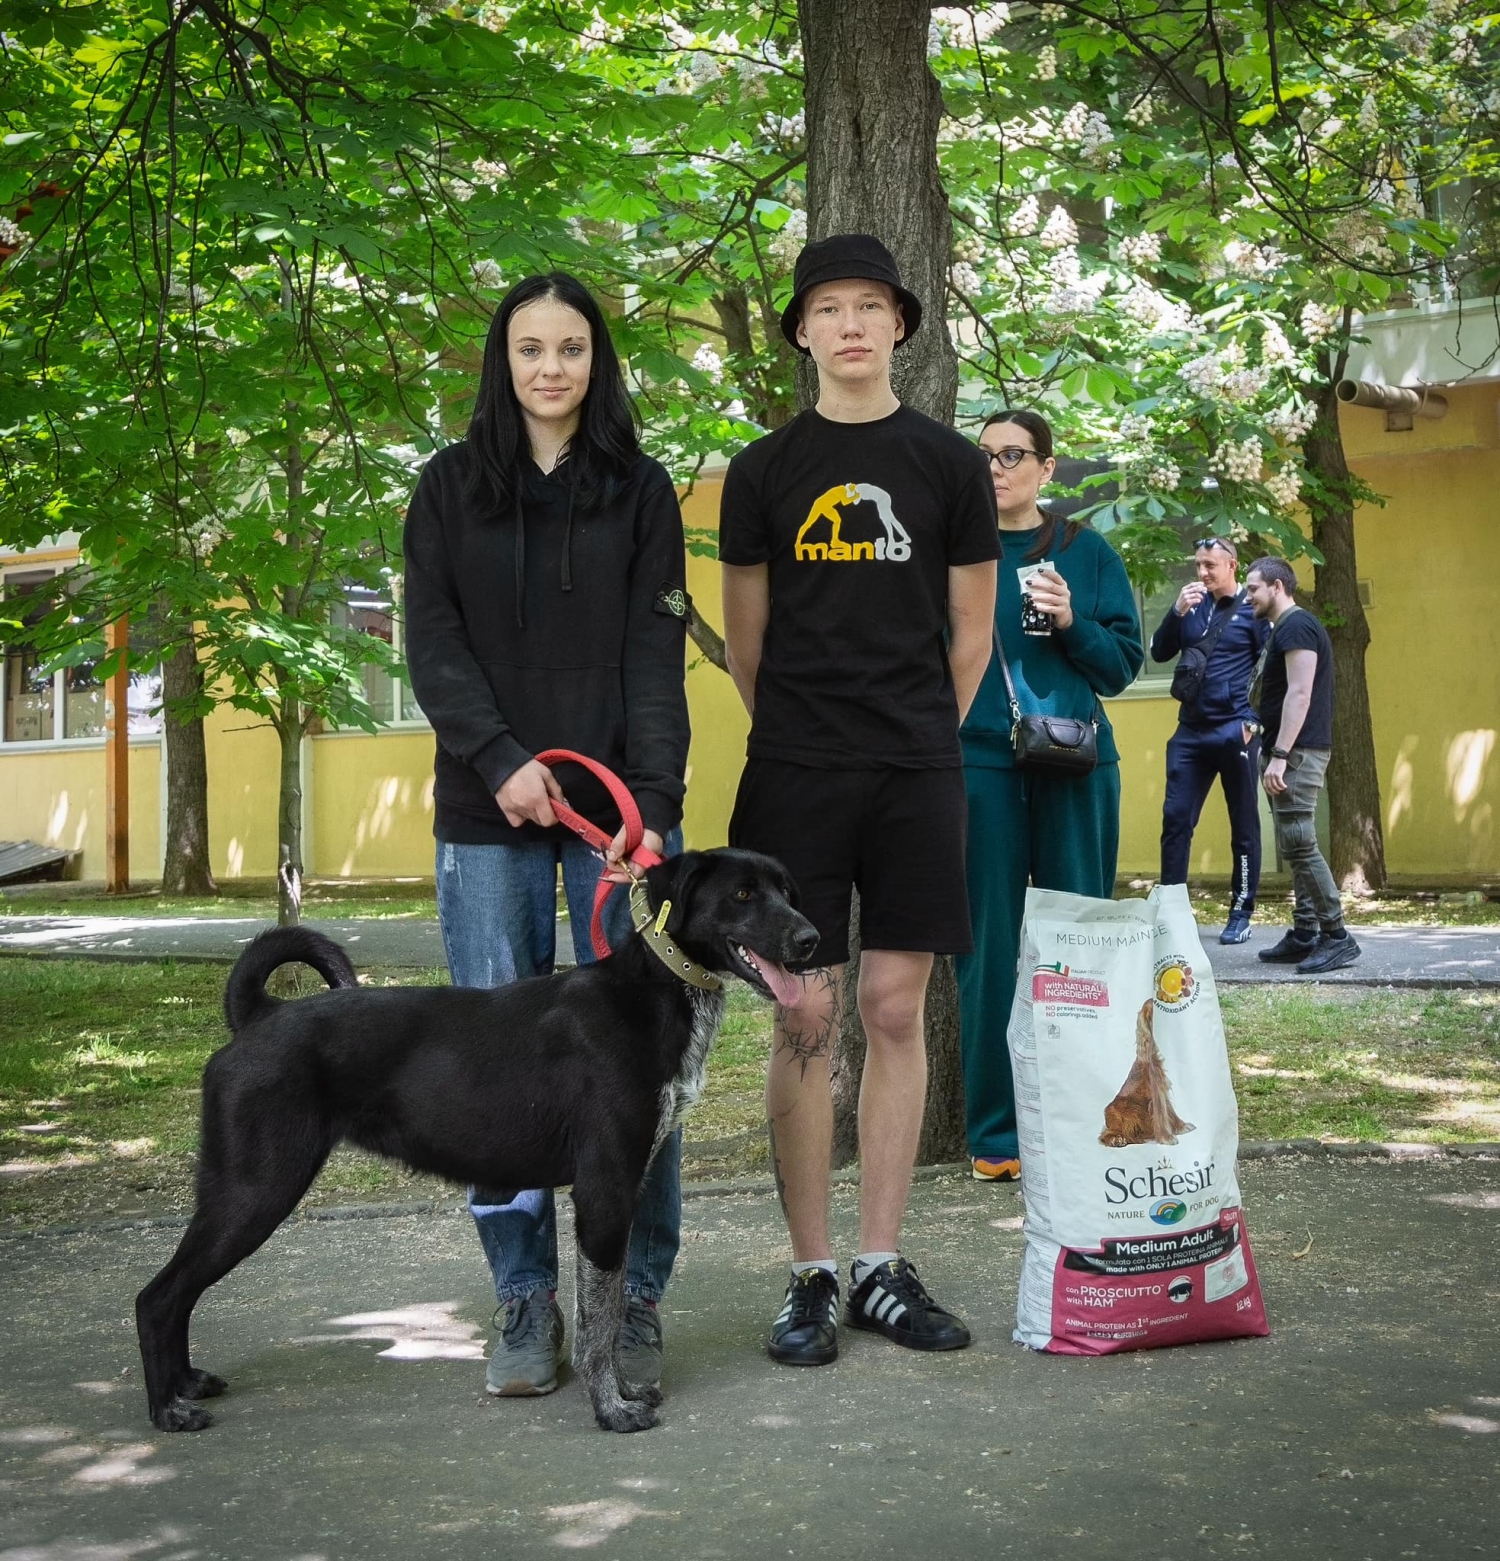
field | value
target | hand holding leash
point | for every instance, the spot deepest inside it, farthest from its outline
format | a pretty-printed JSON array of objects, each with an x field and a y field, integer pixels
[{"x": 627, "y": 846}]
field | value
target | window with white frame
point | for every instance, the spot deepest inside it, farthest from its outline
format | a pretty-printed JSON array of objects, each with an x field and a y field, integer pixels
[
  {"x": 66, "y": 704},
  {"x": 375, "y": 611}
]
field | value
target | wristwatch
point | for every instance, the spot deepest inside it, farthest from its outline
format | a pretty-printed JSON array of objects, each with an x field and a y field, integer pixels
[{"x": 1281, "y": 753}]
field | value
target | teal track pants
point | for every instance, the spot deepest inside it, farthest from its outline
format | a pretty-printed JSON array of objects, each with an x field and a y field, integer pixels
[{"x": 1057, "y": 832}]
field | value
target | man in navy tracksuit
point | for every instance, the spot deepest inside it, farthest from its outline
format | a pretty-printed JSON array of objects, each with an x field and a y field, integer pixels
[{"x": 1217, "y": 733}]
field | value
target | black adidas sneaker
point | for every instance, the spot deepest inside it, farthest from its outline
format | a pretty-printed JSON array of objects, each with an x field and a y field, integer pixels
[
  {"x": 807, "y": 1331},
  {"x": 892, "y": 1300}
]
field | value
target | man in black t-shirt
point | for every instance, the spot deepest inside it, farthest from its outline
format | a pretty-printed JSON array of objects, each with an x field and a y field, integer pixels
[
  {"x": 853, "y": 540},
  {"x": 1296, "y": 717}
]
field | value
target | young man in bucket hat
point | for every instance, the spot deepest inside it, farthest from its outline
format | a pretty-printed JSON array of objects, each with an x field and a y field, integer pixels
[{"x": 854, "y": 540}]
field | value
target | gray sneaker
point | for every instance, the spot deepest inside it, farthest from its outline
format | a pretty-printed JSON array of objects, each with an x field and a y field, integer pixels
[
  {"x": 524, "y": 1360},
  {"x": 640, "y": 1343}
]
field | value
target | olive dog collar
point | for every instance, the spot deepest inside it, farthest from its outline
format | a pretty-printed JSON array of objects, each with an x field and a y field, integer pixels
[{"x": 652, "y": 929}]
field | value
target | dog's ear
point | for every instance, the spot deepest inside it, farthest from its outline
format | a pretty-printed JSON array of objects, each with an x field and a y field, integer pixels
[{"x": 674, "y": 880}]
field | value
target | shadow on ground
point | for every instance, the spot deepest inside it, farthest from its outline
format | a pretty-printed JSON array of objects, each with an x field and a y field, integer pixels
[{"x": 356, "y": 1426}]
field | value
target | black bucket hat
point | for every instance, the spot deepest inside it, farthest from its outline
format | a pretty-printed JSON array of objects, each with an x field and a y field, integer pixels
[{"x": 848, "y": 257}]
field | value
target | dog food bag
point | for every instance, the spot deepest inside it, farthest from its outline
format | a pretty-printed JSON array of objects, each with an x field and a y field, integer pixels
[{"x": 1128, "y": 1125}]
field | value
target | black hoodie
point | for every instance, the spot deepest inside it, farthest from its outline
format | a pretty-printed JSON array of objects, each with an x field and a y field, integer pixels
[{"x": 547, "y": 627}]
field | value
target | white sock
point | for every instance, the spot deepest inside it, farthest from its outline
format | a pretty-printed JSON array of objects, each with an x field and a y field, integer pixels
[
  {"x": 827, "y": 1264},
  {"x": 868, "y": 1260}
]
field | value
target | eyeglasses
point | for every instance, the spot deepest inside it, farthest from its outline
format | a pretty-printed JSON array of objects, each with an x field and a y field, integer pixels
[
  {"x": 1221, "y": 542},
  {"x": 1009, "y": 458}
]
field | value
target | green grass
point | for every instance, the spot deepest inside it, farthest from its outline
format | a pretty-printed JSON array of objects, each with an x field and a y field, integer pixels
[{"x": 99, "y": 1069}]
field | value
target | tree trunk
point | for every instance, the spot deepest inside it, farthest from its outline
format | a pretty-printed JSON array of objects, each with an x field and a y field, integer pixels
[
  {"x": 873, "y": 109},
  {"x": 1356, "y": 840},
  {"x": 186, "y": 868},
  {"x": 289, "y": 814}
]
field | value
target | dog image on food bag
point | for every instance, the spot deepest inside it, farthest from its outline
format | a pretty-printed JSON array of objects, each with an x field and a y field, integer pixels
[
  {"x": 1142, "y": 1112},
  {"x": 1135, "y": 1237}
]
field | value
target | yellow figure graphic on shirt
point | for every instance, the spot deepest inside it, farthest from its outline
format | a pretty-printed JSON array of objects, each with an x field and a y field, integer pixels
[{"x": 894, "y": 547}]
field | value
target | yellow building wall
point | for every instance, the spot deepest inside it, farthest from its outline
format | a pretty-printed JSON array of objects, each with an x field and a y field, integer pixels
[
  {"x": 57, "y": 799},
  {"x": 372, "y": 805},
  {"x": 1434, "y": 658},
  {"x": 244, "y": 773}
]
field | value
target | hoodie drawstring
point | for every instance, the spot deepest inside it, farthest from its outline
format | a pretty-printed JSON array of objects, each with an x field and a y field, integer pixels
[
  {"x": 520, "y": 560},
  {"x": 567, "y": 552}
]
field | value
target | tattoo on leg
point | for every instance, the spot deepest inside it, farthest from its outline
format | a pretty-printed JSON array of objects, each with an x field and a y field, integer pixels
[
  {"x": 805, "y": 1036},
  {"x": 776, "y": 1168}
]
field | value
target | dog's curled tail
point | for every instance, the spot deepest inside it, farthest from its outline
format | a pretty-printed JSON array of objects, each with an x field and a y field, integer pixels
[{"x": 245, "y": 996}]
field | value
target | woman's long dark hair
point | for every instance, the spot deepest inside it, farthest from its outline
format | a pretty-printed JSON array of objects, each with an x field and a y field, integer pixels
[
  {"x": 599, "y": 456},
  {"x": 1056, "y": 531}
]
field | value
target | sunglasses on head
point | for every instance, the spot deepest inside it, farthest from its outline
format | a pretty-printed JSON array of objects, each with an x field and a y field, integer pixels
[
  {"x": 1222, "y": 542},
  {"x": 1009, "y": 458}
]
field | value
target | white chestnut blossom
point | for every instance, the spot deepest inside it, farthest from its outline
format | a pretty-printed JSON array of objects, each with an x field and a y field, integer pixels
[
  {"x": 1317, "y": 322},
  {"x": 1140, "y": 249},
  {"x": 1136, "y": 427},
  {"x": 1276, "y": 351},
  {"x": 1052, "y": 13},
  {"x": 1243, "y": 385},
  {"x": 1046, "y": 64},
  {"x": 489, "y": 173},
  {"x": 1369, "y": 114},
  {"x": 1073, "y": 125},
  {"x": 1239, "y": 461},
  {"x": 10, "y": 232},
  {"x": 190, "y": 294},
  {"x": 786, "y": 243},
  {"x": 487, "y": 273},
  {"x": 1155, "y": 310},
  {"x": 1291, "y": 422},
  {"x": 708, "y": 362},
  {"x": 1285, "y": 486},
  {"x": 965, "y": 278},
  {"x": 1139, "y": 113},
  {"x": 1162, "y": 473},
  {"x": 1060, "y": 231},
  {"x": 1022, "y": 222}
]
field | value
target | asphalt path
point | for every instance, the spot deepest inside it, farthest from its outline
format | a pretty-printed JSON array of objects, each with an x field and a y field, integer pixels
[
  {"x": 356, "y": 1428},
  {"x": 1400, "y": 956}
]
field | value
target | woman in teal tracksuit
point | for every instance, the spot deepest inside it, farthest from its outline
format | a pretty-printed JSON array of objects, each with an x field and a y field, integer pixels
[{"x": 1056, "y": 831}]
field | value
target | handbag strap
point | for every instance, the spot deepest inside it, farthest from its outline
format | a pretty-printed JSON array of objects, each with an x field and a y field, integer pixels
[
  {"x": 1217, "y": 626},
  {"x": 1010, "y": 686}
]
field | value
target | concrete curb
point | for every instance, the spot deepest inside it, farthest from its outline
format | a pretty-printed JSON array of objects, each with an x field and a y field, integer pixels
[{"x": 760, "y": 1186}]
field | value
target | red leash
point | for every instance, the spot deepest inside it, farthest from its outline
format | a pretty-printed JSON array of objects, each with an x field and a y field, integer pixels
[{"x": 591, "y": 834}]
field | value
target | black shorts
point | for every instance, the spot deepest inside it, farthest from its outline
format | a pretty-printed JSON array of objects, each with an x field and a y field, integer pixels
[{"x": 896, "y": 835}]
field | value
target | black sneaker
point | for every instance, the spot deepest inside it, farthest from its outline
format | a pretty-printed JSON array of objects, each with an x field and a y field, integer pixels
[
  {"x": 892, "y": 1300},
  {"x": 1292, "y": 950},
  {"x": 807, "y": 1331},
  {"x": 1329, "y": 953}
]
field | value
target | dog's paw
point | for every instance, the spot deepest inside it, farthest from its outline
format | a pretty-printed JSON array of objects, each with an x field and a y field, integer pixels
[
  {"x": 181, "y": 1414},
  {"x": 640, "y": 1392},
  {"x": 202, "y": 1384},
  {"x": 626, "y": 1417}
]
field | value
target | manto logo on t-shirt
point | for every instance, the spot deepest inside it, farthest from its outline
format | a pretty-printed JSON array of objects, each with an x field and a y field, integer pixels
[{"x": 815, "y": 543}]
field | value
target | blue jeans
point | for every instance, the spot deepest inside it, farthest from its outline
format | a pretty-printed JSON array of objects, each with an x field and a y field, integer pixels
[{"x": 497, "y": 906}]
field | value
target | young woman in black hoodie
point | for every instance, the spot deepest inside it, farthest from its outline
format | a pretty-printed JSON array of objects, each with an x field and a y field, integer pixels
[{"x": 544, "y": 609}]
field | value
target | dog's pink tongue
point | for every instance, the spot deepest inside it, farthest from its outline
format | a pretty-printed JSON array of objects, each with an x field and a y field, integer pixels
[{"x": 786, "y": 986}]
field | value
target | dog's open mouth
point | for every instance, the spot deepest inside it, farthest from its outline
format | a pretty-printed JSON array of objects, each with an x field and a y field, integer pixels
[{"x": 766, "y": 976}]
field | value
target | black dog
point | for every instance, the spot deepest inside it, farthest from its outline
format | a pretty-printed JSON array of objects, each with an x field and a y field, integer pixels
[{"x": 570, "y": 1079}]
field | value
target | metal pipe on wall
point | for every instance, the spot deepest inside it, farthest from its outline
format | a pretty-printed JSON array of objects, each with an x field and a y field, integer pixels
[{"x": 1417, "y": 400}]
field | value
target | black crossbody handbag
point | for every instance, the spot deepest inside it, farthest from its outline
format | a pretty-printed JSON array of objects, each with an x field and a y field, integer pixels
[
  {"x": 1049, "y": 742},
  {"x": 1192, "y": 661}
]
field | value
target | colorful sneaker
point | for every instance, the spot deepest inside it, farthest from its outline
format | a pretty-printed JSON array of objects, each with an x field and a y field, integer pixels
[
  {"x": 807, "y": 1331},
  {"x": 892, "y": 1300},
  {"x": 1292, "y": 950},
  {"x": 1330, "y": 953},
  {"x": 1236, "y": 929},
  {"x": 988, "y": 1169},
  {"x": 523, "y": 1362},
  {"x": 640, "y": 1342}
]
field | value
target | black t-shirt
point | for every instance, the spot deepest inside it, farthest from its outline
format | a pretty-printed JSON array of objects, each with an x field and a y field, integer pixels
[
  {"x": 1298, "y": 630},
  {"x": 859, "y": 524}
]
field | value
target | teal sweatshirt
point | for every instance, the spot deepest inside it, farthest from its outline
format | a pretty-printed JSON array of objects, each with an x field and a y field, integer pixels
[{"x": 1061, "y": 673}]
